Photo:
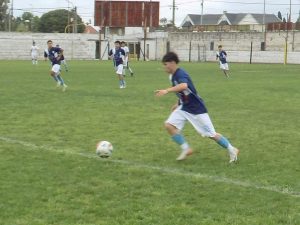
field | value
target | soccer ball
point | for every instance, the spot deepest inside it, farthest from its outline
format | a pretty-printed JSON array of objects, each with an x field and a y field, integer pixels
[{"x": 104, "y": 149}]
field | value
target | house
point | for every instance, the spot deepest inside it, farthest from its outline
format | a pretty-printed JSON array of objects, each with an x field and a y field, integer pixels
[
  {"x": 234, "y": 21},
  {"x": 89, "y": 29}
]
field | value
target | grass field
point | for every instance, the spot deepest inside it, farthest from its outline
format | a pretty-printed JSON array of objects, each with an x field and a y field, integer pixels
[{"x": 51, "y": 175}]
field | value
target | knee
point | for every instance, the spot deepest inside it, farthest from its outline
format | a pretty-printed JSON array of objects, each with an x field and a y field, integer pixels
[
  {"x": 216, "y": 137},
  {"x": 170, "y": 128}
]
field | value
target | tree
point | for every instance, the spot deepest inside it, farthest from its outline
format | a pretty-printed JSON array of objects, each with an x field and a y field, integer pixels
[
  {"x": 163, "y": 21},
  {"x": 279, "y": 15},
  {"x": 4, "y": 16},
  {"x": 56, "y": 21}
]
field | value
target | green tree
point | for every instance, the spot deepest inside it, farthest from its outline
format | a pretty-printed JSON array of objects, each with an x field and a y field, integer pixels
[
  {"x": 4, "y": 15},
  {"x": 57, "y": 21},
  {"x": 279, "y": 15}
]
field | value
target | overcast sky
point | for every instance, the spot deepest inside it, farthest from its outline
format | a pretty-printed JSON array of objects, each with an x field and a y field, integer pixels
[{"x": 184, "y": 7}]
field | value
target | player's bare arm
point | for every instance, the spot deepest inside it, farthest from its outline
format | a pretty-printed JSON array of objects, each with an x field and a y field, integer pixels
[{"x": 177, "y": 88}]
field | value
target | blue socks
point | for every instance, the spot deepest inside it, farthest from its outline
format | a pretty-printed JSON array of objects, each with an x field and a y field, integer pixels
[
  {"x": 179, "y": 139},
  {"x": 60, "y": 79},
  {"x": 223, "y": 141},
  {"x": 55, "y": 78}
]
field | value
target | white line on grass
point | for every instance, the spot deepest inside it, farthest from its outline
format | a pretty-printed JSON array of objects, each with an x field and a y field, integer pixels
[{"x": 177, "y": 172}]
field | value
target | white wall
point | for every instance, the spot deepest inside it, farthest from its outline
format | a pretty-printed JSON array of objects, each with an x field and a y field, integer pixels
[
  {"x": 76, "y": 46},
  {"x": 237, "y": 44}
]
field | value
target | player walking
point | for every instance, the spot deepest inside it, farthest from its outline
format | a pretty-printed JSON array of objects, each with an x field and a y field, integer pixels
[
  {"x": 191, "y": 108},
  {"x": 34, "y": 53},
  {"x": 221, "y": 55},
  {"x": 117, "y": 54},
  {"x": 126, "y": 59},
  {"x": 55, "y": 55}
]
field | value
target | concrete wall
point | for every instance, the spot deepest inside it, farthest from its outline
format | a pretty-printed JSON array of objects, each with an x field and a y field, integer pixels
[
  {"x": 18, "y": 45},
  {"x": 200, "y": 46},
  {"x": 203, "y": 46}
]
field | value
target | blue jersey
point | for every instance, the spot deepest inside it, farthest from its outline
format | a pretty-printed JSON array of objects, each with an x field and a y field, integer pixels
[
  {"x": 118, "y": 54},
  {"x": 222, "y": 56},
  {"x": 52, "y": 54},
  {"x": 189, "y": 99}
]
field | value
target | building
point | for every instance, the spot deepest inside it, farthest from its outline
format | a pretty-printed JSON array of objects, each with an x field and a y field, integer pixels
[{"x": 228, "y": 22}]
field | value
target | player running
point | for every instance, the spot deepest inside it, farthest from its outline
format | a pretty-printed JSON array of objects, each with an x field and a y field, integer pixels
[
  {"x": 221, "y": 55},
  {"x": 126, "y": 59},
  {"x": 63, "y": 61},
  {"x": 55, "y": 55},
  {"x": 34, "y": 53},
  {"x": 117, "y": 54},
  {"x": 191, "y": 108}
]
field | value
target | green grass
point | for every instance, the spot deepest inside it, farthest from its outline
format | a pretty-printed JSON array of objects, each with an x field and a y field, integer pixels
[{"x": 51, "y": 175}]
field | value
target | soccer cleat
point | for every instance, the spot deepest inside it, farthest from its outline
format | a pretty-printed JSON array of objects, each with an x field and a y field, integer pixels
[
  {"x": 131, "y": 74},
  {"x": 64, "y": 87},
  {"x": 121, "y": 86},
  {"x": 234, "y": 155},
  {"x": 184, "y": 154}
]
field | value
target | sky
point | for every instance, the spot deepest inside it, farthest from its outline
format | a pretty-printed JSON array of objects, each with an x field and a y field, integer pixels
[{"x": 85, "y": 8}]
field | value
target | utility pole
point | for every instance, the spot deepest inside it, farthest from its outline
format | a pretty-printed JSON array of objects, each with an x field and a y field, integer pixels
[
  {"x": 264, "y": 26},
  {"x": 201, "y": 20},
  {"x": 290, "y": 18},
  {"x": 75, "y": 20},
  {"x": 173, "y": 13}
]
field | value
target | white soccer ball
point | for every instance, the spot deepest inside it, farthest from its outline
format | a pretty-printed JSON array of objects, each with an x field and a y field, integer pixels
[{"x": 104, "y": 149}]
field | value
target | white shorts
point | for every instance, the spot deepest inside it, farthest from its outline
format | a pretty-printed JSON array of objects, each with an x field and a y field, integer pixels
[
  {"x": 224, "y": 66},
  {"x": 125, "y": 63},
  {"x": 119, "y": 69},
  {"x": 201, "y": 122},
  {"x": 55, "y": 68},
  {"x": 34, "y": 55}
]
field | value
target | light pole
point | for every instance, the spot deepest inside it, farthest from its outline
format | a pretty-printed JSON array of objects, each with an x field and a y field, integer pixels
[{"x": 201, "y": 20}]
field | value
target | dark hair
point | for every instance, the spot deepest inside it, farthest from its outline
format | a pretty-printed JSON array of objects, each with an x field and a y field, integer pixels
[
  {"x": 170, "y": 57},
  {"x": 220, "y": 46},
  {"x": 117, "y": 42},
  {"x": 49, "y": 41},
  {"x": 123, "y": 42}
]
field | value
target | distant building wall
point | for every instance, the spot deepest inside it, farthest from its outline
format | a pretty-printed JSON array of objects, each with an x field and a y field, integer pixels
[{"x": 200, "y": 46}]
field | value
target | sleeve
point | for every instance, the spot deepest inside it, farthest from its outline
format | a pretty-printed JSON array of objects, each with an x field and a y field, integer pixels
[
  {"x": 45, "y": 54},
  {"x": 110, "y": 52},
  {"x": 182, "y": 77},
  {"x": 123, "y": 52}
]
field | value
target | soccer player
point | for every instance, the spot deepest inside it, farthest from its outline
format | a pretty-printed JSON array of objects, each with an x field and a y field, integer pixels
[
  {"x": 126, "y": 60},
  {"x": 55, "y": 54},
  {"x": 221, "y": 55},
  {"x": 117, "y": 54},
  {"x": 191, "y": 108},
  {"x": 34, "y": 53},
  {"x": 63, "y": 61}
]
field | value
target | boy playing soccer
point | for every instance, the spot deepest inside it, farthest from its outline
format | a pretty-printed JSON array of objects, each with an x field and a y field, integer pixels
[
  {"x": 221, "y": 55},
  {"x": 55, "y": 55},
  {"x": 126, "y": 59},
  {"x": 117, "y": 54},
  {"x": 191, "y": 108}
]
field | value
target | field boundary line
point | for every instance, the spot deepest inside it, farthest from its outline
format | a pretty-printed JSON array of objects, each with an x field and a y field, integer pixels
[{"x": 177, "y": 172}]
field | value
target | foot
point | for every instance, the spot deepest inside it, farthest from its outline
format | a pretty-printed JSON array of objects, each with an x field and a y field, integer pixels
[
  {"x": 121, "y": 86},
  {"x": 184, "y": 154},
  {"x": 58, "y": 84},
  {"x": 234, "y": 155},
  {"x": 64, "y": 87},
  {"x": 131, "y": 74}
]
